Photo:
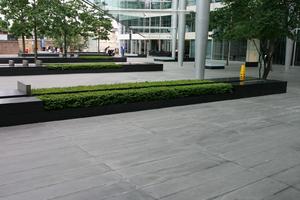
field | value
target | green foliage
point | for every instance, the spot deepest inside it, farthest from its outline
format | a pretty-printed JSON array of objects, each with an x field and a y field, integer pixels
[
  {"x": 111, "y": 97},
  {"x": 256, "y": 19},
  {"x": 95, "y": 57},
  {"x": 17, "y": 15},
  {"x": 78, "y": 66},
  {"x": 266, "y": 20},
  {"x": 120, "y": 86},
  {"x": 3, "y": 25},
  {"x": 68, "y": 22},
  {"x": 71, "y": 22}
]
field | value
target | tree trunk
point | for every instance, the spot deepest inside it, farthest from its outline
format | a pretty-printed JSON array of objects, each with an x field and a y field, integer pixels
[
  {"x": 35, "y": 35},
  {"x": 228, "y": 53},
  {"x": 23, "y": 44},
  {"x": 65, "y": 44},
  {"x": 35, "y": 44},
  {"x": 268, "y": 60}
]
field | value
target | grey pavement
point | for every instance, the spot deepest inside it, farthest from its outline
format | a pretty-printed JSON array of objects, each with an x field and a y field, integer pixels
[{"x": 247, "y": 149}]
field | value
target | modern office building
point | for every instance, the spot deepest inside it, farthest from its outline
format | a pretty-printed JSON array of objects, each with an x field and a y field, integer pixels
[{"x": 150, "y": 26}]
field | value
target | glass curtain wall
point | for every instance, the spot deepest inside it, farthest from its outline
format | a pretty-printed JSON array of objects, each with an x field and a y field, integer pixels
[{"x": 142, "y": 24}]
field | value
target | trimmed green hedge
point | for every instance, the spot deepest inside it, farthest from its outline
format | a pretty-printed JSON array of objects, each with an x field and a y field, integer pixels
[
  {"x": 110, "y": 97},
  {"x": 95, "y": 57},
  {"x": 78, "y": 66},
  {"x": 120, "y": 86}
]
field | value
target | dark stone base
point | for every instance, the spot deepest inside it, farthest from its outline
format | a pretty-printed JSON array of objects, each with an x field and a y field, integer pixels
[
  {"x": 137, "y": 56},
  {"x": 21, "y": 71},
  {"x": 186, "y": 59},
  {"x": 31, "y": 110},
  {"x": 215, "y": 67},
  {"x": 251, "y": 64}
]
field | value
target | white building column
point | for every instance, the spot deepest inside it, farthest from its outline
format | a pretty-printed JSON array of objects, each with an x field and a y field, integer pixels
[
  {"x": 174, "y": 28},
  {"x": 181, "y": 31},
  {"x": 136, "y": 47},
  {"x": 202, "y": 23},
  {"x": 252, "y": 54},
  {"x": 145, "y": 47},
  {"x": 131, "y": 42},
  {"x": 140, "y": 46},
  {"x": 159, "y": 45},
  {"x": 288, "y": 53}
]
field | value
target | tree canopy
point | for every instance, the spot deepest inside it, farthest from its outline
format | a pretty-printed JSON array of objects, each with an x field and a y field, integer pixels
[
  {"x": 268, "y": 21},
  {"x": 65, "y": 21}
]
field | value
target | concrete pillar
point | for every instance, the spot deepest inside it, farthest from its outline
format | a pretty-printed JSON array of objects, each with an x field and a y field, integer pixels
[
  {"x": 252, "y": 54},
  {"x": 202, "y": 23},
  {"x": 148, "y": 47},
  {"x": 288, "y": 53},
  {"x": 181, "y": 32},
  {"x": 131, "y": 42},
  {"x": 145, "y": 47},
  {"x": 140, "y": 46},
  {"x": 159, "y": 45},
  {"x": 174, "y": 28}
]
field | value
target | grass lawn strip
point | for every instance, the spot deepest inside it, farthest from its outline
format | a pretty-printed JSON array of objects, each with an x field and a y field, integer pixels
[
  {"x": 120, "y": 86},
  {"x": 111, "y": 97}
]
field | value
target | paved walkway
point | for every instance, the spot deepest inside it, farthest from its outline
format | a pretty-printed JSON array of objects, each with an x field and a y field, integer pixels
[
  {"x": 246, "y": 149},
  {"x": 171, "y": 72}
]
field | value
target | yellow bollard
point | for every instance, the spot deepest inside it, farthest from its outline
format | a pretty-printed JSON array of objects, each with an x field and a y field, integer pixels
[{"x": 243, "y": 72}]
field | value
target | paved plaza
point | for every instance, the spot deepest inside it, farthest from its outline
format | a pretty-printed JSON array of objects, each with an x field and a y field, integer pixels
[{"x": 247, "y": 149}]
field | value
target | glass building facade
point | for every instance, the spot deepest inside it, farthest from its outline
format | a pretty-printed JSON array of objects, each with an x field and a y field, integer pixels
[{"x": 154, "y": 29}]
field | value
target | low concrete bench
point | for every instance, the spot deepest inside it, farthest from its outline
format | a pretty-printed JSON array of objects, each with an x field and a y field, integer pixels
[
  {"x": 11, "y": 63},
  {"x": 24, "y": 88},
  {"x": 25, "y": 63},
  {"x": 38, "y": 63}
]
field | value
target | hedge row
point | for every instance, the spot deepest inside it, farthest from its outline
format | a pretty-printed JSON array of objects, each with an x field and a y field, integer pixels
[
  {"x": 79, "y": 66},
  {"x": 110, "y": 97},
  {"x": 120, "y": 86}
]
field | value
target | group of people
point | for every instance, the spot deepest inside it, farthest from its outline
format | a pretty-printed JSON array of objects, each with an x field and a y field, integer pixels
[{"x": 52, "y": 49}]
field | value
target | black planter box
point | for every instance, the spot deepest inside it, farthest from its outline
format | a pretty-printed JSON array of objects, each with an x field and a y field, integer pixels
[
  {"x": 32, "y": 111},
  {"x": 186, "y": 59},
  {"x": 62, "y": 60},
  {"x": 21, "y": 71},
  {"x": 251, "y": 64}
]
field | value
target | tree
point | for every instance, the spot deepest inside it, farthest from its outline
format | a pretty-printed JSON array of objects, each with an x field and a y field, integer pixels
[
  {"x": 3, "y": 25},
  {"x": 25, "y": 17},
  {"x": 71, "y": 19},
  {"x": 265, "y": 20},
  {"x": 99, "y": 26},
  {"x": 16, "y": 15}
]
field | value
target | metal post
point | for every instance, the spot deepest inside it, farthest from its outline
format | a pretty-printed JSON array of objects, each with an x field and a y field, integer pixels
[
  {"x": 174, "y": 28},
  {"x": 202, "y": 22},
  {"x": 181, "y": 32}
]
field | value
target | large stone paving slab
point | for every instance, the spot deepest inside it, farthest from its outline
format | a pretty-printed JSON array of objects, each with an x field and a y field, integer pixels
[{"x": 245, "y": 149}]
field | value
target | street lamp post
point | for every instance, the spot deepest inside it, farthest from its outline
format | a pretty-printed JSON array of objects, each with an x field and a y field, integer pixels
[{"x": 202, "y": 23}]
